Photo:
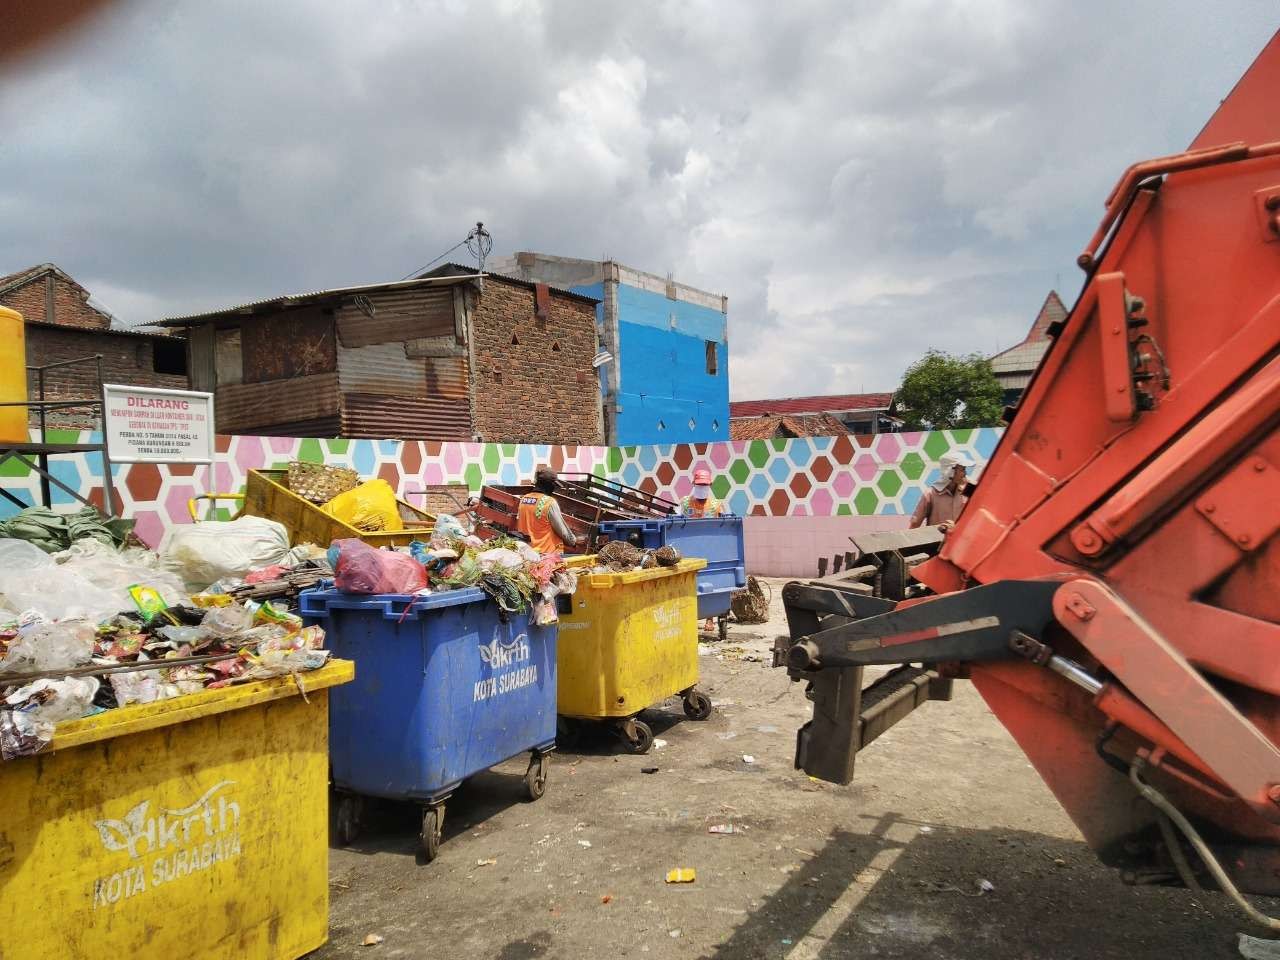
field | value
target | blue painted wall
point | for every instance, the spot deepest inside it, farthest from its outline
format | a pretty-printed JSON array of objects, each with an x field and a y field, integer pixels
[{"x": 665, "y": 393}]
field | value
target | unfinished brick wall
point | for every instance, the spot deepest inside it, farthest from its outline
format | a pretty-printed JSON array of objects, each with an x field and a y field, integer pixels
[
  {"x": 533, "y": 379},
  {"x": 126, "y": 358},
  {"x": 69, "y": 304}
]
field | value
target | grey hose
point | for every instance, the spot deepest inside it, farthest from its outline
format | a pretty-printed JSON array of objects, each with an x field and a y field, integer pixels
[{"x": 1167, "y": 809}]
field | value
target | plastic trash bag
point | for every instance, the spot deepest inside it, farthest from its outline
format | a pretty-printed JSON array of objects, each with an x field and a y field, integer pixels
[
  {"x": 364, "y": 569},
  {"x": 44, "y": 646},
  {"x": 448, "y": 527},
  {"x": 21, "y": 555},
  {"x": 371, "y": 507},
  {"x": 30, "y": 713},
  {"x": 203, "y": 553},
  {"x": 117, "y": 570},
  {"x": 59, "y": 594}
]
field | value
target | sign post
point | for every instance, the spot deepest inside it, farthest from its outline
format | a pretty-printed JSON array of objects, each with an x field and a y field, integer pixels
[{"x": 147, "y": 425}]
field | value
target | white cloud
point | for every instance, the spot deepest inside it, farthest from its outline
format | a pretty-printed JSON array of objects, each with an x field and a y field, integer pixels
[{"x": 862, "y": 181}]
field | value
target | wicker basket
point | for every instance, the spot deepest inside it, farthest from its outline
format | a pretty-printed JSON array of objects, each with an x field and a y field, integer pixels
[{"x": 320, "y": 483}]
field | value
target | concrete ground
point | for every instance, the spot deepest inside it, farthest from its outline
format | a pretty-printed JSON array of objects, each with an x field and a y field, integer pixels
[{"x": 894, "y": 865}]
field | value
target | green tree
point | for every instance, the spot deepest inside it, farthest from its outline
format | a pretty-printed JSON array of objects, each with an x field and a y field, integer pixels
[{"x": 943, "y": 392}]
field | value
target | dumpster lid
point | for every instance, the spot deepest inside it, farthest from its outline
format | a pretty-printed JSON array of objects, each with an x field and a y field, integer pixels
[
  {"x": 687, "y": 565},
  {"x": 138, "y": 718},
  {"x": 393, "y": 606}
]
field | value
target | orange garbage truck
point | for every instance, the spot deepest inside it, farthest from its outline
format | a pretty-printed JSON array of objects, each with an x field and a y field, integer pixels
[{"x": 1112, "y": 589}]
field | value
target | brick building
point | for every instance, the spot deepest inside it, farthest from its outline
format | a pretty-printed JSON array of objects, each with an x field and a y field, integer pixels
[
  {"x": 452, "y": 355},
  {"x": 60, "y": 323}
]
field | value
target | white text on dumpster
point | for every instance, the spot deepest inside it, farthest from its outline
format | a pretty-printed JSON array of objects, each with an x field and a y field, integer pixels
[
  {"x": 498, "y": 654},
  {"x": 170, "y": 845}
]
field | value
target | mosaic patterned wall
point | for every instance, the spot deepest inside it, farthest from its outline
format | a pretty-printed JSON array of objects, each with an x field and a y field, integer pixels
[
  {"x": 807, "y": 477},
  {"x": 157, "y": 495},
  {"x": 817, "y": 477}
]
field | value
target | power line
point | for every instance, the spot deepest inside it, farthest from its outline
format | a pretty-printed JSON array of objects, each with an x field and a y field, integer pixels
[{"x": 460, "y": 243}]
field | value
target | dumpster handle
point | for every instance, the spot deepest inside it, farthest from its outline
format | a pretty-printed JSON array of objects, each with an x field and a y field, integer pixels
[{"x": 212, "y": 498}]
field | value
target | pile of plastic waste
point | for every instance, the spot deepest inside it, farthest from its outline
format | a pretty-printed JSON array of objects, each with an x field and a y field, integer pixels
[
  {"x": 516, "y": 576},
  {"x": 93, "y": 627}
]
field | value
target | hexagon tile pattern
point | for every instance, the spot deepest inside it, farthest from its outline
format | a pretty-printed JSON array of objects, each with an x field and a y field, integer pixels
[{"x": 817, "y": 476}]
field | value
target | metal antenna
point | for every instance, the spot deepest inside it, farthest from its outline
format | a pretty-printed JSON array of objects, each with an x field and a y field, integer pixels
[{"x": 479, "y": 243}]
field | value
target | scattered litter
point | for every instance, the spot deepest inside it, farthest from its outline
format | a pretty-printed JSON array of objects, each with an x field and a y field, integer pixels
[
  {"x": 727, "y": 736},
  {"x": 658, "y": 743},
  {"x": 648, "y": 769},
  {"x": 786, "y": 941},
  {"x": 767, "y": 728},
  {"x": 585, "y": 843},
  {"x": 723, "y": 703},
  {"x": 674, "y": 934},
  {"x": 804, "y": 853},
  {"x": 371, "y": 940},
  {"x": 486, "y": 863},
  {"x": 682, "y": 875},
  {"x": 1255, "y": 948},
  {"x": 926, "y": 829},
  {"x": 748, "y": 758},
  {"x": 726, "y": 828},
  {"x": 607, "y": 898},
  {"x": 985, "y": 886}
]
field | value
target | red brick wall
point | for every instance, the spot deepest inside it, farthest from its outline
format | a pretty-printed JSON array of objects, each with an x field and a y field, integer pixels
[
  {"x": 69, "y": 306},
  {"x": 125, "y": 359},
  {"x": 530, "y": 392}
]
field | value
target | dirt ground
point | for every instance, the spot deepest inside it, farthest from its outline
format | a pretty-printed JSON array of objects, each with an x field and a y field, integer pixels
[{"x": 892, "y": 866}]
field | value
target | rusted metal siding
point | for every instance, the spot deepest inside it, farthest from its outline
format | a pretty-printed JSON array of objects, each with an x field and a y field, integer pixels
[
  {"x": 228, "y": 356},
  {"x": 294, "y": 343},
  {"x": 380, "y": 416},
  {"x": 243, "y": 407},
  {"x": 200, "y": 358},
  {"x": 397, "y": 316},
  {"x": 387, "y": 369}
]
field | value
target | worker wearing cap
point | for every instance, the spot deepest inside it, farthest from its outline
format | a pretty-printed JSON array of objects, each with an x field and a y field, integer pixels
[
  {"x": 701, "y": 503},
  {"x": 539, "y": 519},
  {"x": 698, "y": 505},
  {"x": 941, "y": 505}
]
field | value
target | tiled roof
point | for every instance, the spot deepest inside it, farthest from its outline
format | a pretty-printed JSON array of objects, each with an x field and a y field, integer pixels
[
  {"x": 809, "y": 405},
  {"x": 765, "y": 428},
  {"x": 1025, "y": 356}
]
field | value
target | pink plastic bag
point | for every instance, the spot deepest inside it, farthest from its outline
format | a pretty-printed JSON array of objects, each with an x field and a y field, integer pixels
[{"x": 365, "y": 569}]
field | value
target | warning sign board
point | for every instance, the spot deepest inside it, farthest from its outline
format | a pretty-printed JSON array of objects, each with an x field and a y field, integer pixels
[{"x": 145, "y": 425}]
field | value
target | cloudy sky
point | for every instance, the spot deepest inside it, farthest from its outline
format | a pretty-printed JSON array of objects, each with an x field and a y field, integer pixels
[{"x": 864, "y": 180}]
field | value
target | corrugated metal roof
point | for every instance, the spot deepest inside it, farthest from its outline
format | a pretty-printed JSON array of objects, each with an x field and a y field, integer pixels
[
  {"x": 243, "y": 406},
  {"x": 297, "y": 299},
  {"x": 398, "y": 315},
  {"x": 405, "y": 418},
  {"x": 149, "y": 333},
  {"x": 518, "y": 281},
  {"x": 1023, "y": 357},
  {"x": 834, "y": 403}
]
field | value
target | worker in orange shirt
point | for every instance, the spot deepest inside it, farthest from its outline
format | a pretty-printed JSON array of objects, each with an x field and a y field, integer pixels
[
  {"x": 701, "y": 503},
  {"x": 539, "y": 519}
]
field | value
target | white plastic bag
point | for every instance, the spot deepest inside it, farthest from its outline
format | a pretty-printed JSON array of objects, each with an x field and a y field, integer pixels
[
  {"x": 117, "y": 570},
  {"x": 59, "y": 594},
  {"x": 49, "y": 646},
  {"x": 203, "y": 553},
  {"x": 21, "y": 555}
]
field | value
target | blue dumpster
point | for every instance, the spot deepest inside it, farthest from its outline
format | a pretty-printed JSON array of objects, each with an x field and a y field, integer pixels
[
  {"x": 444, "y": 689},
  {"x": 718, "y": 540}
]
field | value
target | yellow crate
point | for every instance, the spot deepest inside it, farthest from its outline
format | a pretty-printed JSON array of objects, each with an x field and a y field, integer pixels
[
  {"x": 630, "y": 642},
  {"x": 267, "y": 494},
  {"x": 193, "y": 827}
]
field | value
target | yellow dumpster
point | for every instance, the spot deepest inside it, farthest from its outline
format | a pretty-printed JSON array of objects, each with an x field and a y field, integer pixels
[
  {"x": 631, "y": 641},
  {"x": 13, "y": 376},
  {"x": 192, "y": 827}
]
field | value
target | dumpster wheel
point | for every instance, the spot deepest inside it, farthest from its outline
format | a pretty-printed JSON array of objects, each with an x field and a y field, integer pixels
[
  {"x": 347, "y": 818},
  {"x": 637, "y": 736},
  {"x": 697, "y": 705},
  {"x": 535, "y": 778},
  {"x": 432, "y": 828}
]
